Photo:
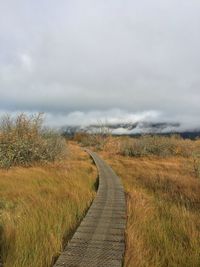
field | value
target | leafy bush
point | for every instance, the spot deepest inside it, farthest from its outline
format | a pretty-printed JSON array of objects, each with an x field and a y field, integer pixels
[
  {"x": 156, "y": 145},
  {"x": 24, "y": 140}
]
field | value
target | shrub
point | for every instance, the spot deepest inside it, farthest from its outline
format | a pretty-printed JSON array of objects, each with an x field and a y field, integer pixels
[
  {"x": 24, "y": 140},
  {"x": 156, "y": 145},
  {"x": 96, "y": 137},
  {"x": 83, "y": 138}
]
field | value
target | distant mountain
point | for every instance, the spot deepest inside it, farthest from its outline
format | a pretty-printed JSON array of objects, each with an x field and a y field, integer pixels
[
  {"x": 137, "y": 128},
  {"x": 190, "y": 134}
]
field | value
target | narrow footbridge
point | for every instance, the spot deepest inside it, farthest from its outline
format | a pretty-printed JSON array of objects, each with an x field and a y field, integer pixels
[{"x": 99, "y": 240}]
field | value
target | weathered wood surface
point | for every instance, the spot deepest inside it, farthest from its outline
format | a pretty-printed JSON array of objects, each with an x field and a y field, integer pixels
[{"x": 99, "y": 240}]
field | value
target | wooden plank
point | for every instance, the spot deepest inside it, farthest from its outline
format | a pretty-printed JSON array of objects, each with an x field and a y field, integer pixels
[{"x": 99, "y": 240}]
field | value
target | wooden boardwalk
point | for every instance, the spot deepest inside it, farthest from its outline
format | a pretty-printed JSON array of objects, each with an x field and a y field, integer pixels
[{"x": 99, "y": 240}]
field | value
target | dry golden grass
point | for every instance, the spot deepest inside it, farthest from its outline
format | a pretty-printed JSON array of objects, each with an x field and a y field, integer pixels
[
  {"x": 40, "y": 207},
  {"x": 163, "y": 204}
]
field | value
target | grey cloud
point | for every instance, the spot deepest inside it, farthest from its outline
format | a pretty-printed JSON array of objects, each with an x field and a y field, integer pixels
[{"x": 62, "y": 57}]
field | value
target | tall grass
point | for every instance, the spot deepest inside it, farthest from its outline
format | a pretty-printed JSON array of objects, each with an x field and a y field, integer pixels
[
  {"x": 41, "y": 206},
  {"x": 163, "y": 209},
  {"x": 24, "y": 141}
]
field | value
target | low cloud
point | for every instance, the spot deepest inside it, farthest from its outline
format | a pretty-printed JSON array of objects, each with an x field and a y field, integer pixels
[
  {"x": 120, "y": 121},
  {"x": 147, "y": 121},
  {"x": 113, "y": 116}
]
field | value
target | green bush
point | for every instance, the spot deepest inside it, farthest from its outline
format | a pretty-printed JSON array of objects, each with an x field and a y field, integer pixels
[{"x": 24, "y": 140}]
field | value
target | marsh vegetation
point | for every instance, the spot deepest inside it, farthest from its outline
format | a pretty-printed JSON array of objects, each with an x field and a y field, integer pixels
[
  {"x": 161, "y": 180},
  {"x": 46, "y": 186}
]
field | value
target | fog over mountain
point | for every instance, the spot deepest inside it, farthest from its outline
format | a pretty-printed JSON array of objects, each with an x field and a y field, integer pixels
[{"x": 123, "y": 62}]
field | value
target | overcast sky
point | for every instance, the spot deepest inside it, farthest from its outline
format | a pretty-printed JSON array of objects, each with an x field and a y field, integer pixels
[{"x": 119, "y": 60}]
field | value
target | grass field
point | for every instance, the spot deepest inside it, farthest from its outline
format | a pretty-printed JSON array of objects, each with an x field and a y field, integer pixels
[
  {"x": 41, "y": 206},
  {"x": 163, "y": 204}
]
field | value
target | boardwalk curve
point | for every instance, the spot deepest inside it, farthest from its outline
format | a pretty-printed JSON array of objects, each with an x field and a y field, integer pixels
[{"x": 99, "y": 240}]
